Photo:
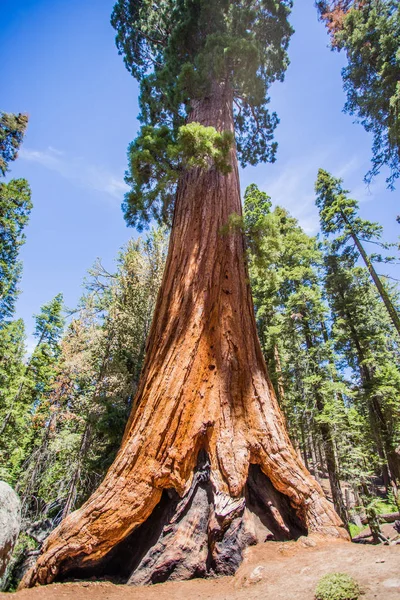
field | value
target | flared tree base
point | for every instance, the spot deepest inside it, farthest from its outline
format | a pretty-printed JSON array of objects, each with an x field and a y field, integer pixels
[{"x": 187, "y": 537}]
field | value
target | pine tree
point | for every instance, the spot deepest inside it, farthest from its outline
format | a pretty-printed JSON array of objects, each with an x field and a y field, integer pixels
[
  {"x": 292, "y": 317},
  {"x": 12, "y": 131},
  {"x": 15, "y": 207},
  {"x": 78, "y": 418},
  {"x": 364, "y": 335},
  {"x": 207, "y": 423},
  {"x": 12, "y": 413},
  {"x": 31, "y": 400},
  {"x": 369, "y": 33},
  {"x": 338, "y": 215}
]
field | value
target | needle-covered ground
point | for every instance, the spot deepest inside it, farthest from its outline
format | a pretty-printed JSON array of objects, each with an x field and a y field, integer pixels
[{"x": 270, "y": 571}]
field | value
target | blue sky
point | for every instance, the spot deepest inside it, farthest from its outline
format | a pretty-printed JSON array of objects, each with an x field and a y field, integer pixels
[{"x": 60, "y": 65}]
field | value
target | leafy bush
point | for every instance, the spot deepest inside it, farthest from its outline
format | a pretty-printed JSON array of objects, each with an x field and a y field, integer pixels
[{"x": 337, "y": 586}]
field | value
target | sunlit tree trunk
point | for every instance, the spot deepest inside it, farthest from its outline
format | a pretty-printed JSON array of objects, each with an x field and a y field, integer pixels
[{"x": 206, "y": 446}]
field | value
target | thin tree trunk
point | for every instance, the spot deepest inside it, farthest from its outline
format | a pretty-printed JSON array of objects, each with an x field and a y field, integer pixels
[
  {"x": 314, "y": 456},
  {"x": 320, "y": 454},
  {"x": 372, "y": 517},
  {"x": 303, "y": 443},
  {"x": 393, "y": 314},
  {"x": 328, "y": 444},
  {"x": 379, "y": 427},
  {"x": 73, "y": 487},
  {"x": 279, "y": 377},
  {"x": 27, "y": 489},
  {"x": 204, "y": 399}
]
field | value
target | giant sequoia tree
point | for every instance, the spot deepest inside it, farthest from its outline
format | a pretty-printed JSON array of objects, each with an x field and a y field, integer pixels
[{"x": 206, "y": 466}]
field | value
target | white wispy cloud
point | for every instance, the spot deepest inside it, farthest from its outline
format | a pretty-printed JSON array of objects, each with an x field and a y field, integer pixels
[{"x": 77, "y": 170}]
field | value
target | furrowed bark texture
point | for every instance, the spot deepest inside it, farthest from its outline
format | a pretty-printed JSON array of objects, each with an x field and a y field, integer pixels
[{"x": 204, "y": 388}]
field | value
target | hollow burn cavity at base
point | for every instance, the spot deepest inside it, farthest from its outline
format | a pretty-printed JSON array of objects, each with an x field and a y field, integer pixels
[{"x": 186, "y": 538}]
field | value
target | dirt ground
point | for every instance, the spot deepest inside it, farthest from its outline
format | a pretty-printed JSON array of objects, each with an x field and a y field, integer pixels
[{"x": 270, "y": 571}]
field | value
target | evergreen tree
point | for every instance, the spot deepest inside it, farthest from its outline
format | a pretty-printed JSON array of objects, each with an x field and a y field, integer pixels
[
  {"x": 291, "y": 317},
  {"x": 364, "y": 335},
  {"x": 369, "y": 33},
  {"x": 15, "y": 207},
  {"x": 12, "y": 131},
  {"x": 338, "y": 215},
  {"x": 181, "y": 53},
  {"x": 12, "y": 412},
  {"x": 23, "y": 425}
]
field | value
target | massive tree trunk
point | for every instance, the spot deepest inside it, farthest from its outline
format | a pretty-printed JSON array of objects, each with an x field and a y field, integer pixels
[{"x": 206, "y": 466}]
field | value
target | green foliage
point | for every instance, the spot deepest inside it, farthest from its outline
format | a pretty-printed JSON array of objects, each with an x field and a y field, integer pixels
[
  {"x": 50, "y": 323},
  {"x": 365, "y": 341},
  {"x": 285, "y": 269},
  {"x": 337, "y": 586},
  {"x": 156, "y": 161},
  {"x": 13, "y": 410},
  {"x": 12, "y": 130},
  {"x": 29, "y": 408},
  {"x": 257, "y": 219},
  {"x": 78, "y": 388},
  {"x": 338, "y": 215},
  {"x": 369, "y": 34},
  {"x": 327, "y": 340},
  {"x": 199, "y": 145},
  {"x": 184, "y": 53},
  {"x": 15, "y": 207},
  {"x": 338, "y": 212}
]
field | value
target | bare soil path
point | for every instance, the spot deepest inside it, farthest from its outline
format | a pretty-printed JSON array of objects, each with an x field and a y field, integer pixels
[{"x": 270, "y": 571}]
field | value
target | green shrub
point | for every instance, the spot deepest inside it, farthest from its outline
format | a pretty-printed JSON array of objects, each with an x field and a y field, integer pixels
[{"x": 337, "y": 586}]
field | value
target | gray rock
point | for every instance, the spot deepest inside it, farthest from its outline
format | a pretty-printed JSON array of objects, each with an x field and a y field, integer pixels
[{"x": 10, "y": 522}]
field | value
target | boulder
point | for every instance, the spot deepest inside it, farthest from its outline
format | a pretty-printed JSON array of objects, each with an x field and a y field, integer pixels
[{"x": 10, "y": 522}]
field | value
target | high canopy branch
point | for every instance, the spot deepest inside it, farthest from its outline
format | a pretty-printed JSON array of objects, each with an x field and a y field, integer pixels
[{"x": 177, "y": 50}]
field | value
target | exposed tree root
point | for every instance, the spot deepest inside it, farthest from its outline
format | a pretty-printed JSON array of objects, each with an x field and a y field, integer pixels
[{"x": 186, "y": 538}]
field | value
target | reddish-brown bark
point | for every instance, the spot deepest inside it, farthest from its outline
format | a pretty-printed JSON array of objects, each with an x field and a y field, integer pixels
[{"x": 204, "y": 386}]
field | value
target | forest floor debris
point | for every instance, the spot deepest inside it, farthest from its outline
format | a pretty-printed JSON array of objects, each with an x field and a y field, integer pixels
[{"x": 270, "y": 571}]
